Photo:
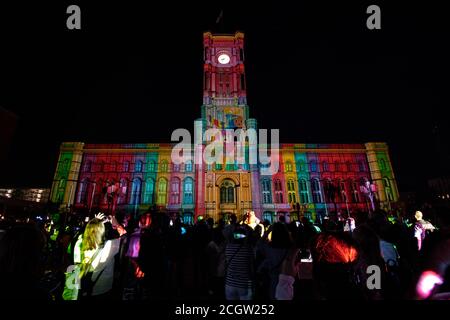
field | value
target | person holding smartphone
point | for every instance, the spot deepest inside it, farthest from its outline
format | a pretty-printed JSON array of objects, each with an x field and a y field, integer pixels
[{"x": 96, "y": 256}]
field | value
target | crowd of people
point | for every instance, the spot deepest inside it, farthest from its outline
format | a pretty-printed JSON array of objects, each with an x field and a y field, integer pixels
[{"x": 362, "y": 256}]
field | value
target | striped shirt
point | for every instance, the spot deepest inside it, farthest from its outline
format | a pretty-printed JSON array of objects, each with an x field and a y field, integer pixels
[{"x": 239, "y": 266}]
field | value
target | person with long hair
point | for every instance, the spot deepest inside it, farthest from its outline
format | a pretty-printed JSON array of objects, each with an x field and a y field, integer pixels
[{"x": 96, "y": 256}]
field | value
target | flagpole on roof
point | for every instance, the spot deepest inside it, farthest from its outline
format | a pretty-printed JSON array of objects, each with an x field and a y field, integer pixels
[{"x": 219, "y": 20}]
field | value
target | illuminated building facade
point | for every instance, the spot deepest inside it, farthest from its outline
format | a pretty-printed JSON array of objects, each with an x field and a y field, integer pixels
[{"x": 312, "y": 180}]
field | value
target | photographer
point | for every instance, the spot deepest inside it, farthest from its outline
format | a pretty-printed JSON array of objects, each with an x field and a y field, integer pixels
[
  {"x": 96, "y": 256},
  {"x": 239, "y": 265}
]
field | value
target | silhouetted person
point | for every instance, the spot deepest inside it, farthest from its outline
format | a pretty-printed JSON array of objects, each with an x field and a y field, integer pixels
[
  {"x": 153, "y": 257},
  {"x": 21, "y": 264},
  {"x": 229, "y": 228},
  {"x": 275, "y": 252},
  {"x": 240, "y": 273},
  {"x": 334, "y": 261},
  {"x": 201, "y": 235}
]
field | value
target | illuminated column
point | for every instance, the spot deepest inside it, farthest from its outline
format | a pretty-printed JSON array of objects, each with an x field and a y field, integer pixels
[
  {"x": 393, "y": 181},
  {"x": 67, "y": 172},
  {"x": 372, "y": 149},
  {"x": 200, "y": 183},
  {"x": 213, "y": 83},
  {"x": 255, "y": 182},
  {"x": 381, "y": 171},
  {"x": 74, "y": 173},
  {"x": 235, "y": 84}
]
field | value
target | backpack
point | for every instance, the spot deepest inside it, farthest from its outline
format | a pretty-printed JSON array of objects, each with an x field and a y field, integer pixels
[{"x": 73, "y": 285}]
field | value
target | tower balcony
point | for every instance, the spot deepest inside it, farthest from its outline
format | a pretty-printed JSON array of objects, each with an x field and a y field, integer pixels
[{"x": 225, "y": 101}]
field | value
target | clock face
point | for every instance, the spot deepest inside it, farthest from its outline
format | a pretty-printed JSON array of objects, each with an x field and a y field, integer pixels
[{"x": 223, "y": 58}]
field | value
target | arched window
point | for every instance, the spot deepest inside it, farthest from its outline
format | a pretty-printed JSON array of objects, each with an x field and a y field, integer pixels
[
  {"x": 301, "y": 166},
  {"x": 349, "y": 166},
  {"x": 99, "y": 195},
  {"x": 336, "y": 166},
  {"x": 267, "y": 191},
  {"x": 82, "y": 192},
  {"x": 387, "y": 189},
  {"x": 316, "y": 192},
  {"x": 151, "y": 166},
  {"x": 175, "y": 191},
  {"x": 325, "y": 166},
  {"x": 328, "y": 190},
  {"x": 162, "y": 191},
  {"x": 138, "y": 166},
  {"x": 188, "y": 196},
  {"x": 176, "y": 167},
  {"x": 149, "y": 190},
  {"x": 355, "y": 193},
  {"x": 122, "y": 191},
  {"x": 100, "y": 166},
  {"x": 383, "y": 164},
  {"x": 87, "y": 166},
  {"x": 65, "y": 165},
  {"x": 188, "y": 166},
  {"x": 313, "y": 165},
  {"x": 278, "y": 191},
  {"x": 136, "y": 191},
  {"x": 164, "y": 166},
  {"x": 227, "y": 192},
  {"x": 304, "y": 195},
  {"x": 361, "y": 166},
  {"x": 291, "y": 191},
  {"x": 126, "y": 166},
  {"x": 342, "y": 191},
  {"x": 278, "y": 185},
  {"x": 288, "y": 166}
]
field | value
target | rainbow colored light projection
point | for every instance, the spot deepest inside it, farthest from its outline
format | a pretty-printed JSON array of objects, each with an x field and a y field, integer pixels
[{"x": 313, "y": 179}]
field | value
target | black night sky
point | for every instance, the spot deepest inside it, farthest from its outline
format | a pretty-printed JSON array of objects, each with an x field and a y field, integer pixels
[{"x": 134, "y": 74}]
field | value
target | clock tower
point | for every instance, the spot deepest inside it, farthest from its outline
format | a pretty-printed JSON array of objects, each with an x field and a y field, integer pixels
[
  {"x": 226, "y": 187},
  {"x": 224, "y": 88}
]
